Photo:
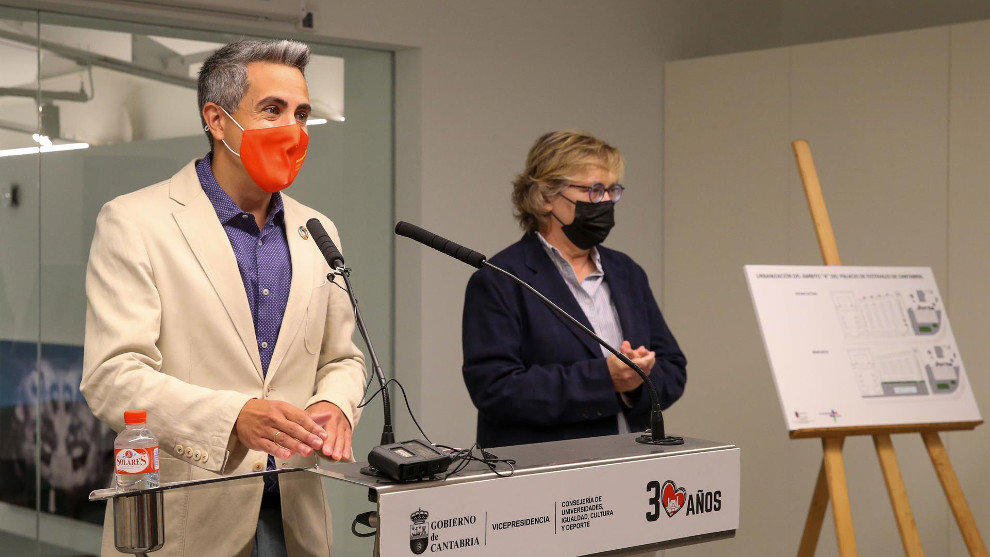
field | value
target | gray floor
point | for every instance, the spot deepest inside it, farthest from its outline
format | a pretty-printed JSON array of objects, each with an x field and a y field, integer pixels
[{"x": 12, "y": 545}]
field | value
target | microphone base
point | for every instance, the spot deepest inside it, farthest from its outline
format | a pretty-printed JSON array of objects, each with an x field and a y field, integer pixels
[
  {"x": 374, "y": 472},
  {"x": 647, "y": 439}
]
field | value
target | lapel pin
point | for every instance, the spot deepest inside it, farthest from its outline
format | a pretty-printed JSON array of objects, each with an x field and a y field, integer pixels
[{"x": 303, "y": 233}]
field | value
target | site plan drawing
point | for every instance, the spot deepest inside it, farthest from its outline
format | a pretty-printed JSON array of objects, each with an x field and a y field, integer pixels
[{"x": 860, "y": 346}]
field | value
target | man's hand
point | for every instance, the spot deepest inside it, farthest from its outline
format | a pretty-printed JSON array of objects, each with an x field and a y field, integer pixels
[
  {"x": 624, "y": 377},
  {"x": 278, "y": 428},
  {"x": 338, "y": 441}
]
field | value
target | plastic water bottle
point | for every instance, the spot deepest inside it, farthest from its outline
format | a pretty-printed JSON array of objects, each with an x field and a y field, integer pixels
[{"x": 135, "y": 453}]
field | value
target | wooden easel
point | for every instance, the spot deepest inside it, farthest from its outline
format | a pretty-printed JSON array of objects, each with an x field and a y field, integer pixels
[{"x": 831, "y": 483}]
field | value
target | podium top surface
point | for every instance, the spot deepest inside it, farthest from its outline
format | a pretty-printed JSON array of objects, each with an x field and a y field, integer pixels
[
  {"x": 530, "y": 459},
  {"x": 533, "y": 459}
]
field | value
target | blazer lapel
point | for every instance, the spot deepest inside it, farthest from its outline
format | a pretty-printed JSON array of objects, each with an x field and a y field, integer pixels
[
  {"x": 303, "y": 256},
  {"x": 548, "y": 281},
  {"x": 202, "y": 230},
  {"x": 619, "y": 289}
]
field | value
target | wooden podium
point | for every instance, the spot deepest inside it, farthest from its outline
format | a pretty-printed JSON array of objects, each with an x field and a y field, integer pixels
[{"x": 831, "y": 484}]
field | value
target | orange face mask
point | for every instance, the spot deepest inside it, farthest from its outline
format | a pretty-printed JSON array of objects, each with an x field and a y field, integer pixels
[{"x": 272, "y": 156}]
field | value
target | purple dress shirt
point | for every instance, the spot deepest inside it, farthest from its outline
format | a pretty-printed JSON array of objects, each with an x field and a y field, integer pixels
[{"x": 264, "y": 263}]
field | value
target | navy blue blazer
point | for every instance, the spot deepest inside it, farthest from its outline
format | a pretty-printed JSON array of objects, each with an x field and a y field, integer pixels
[{"x": 535, "y": 377}]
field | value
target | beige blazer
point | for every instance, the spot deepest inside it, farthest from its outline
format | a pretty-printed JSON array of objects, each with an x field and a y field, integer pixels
[{"x": 169, "y": 330}]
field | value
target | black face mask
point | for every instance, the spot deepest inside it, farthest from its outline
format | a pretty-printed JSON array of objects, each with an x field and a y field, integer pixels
[{"x": 591, "y": 225}]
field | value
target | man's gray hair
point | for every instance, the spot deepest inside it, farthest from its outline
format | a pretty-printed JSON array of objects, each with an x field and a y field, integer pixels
[{"x": 223, "y": 77}]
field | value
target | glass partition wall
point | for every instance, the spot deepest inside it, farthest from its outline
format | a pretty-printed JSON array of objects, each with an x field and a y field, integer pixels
[{"x": 92, "y": 109}]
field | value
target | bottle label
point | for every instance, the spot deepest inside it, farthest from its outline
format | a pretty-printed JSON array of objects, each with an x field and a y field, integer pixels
[{"x": 136, "y": 461}]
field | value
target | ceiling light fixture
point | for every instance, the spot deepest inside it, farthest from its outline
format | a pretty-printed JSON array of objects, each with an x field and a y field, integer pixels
[
  {"x": 42, "y": 140},
  {"x": 42, "y": 149}
]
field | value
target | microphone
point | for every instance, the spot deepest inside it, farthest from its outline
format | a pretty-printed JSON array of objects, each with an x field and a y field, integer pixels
[
  {"x": 657, "y": 435},
  {"x": 440, "y": 244},
  {"x": 325, "y": 244},
  {"x": 336, "y": 262}
]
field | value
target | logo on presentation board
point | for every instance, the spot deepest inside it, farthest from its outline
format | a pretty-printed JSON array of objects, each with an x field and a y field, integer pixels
[
  {"x": 832, "y": 413},
  {"x": 303, "y": 233},
  {"x": 801, "y": 417},
  {"x": 419, "y": 531},
  {"x": 672, "y": 497}
]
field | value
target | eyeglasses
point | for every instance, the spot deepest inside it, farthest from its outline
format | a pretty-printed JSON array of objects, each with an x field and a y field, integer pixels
[{"x": 596, "y": 192}]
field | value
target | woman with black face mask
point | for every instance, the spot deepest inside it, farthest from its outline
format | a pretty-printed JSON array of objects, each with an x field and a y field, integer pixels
[{"x": 532, "y": 376}]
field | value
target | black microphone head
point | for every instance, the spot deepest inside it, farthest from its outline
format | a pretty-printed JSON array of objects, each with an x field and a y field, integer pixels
[
  {"x": 440, "y": 244},
  {"x": 315, "y": 227},
  {"x": 325, "y": 243},
  {"x": 409, "y": 230}
]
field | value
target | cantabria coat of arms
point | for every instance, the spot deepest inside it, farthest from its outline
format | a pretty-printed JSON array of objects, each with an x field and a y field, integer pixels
[{"x": 419, "y": 531}]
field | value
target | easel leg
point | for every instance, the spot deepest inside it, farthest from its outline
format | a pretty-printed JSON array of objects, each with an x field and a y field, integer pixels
[
  {"x": 816, "y": 516},
  {"x": 838, "y": 492},
  {"x": 898, "y": 495},
  {"x": 954, "y": 493}
]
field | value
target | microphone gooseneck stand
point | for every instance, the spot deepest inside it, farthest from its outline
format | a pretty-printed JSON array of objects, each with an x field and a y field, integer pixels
[
  {"x": 388, "y": 434},
  {"x": 656, "y": 435},
  {"x": 336, "y": 261}
]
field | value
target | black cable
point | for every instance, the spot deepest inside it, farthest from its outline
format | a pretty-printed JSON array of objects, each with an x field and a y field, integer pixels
[
  {"x": 383, "y": 388},
  {"x": 491, "y": 464},
  {"x": 405, "y": 398},
  {"x": 373, "y": 395},
  {"x": 371, "y": 379},
  {"x": 371, "y": 376},
  {"x": 363, "y": 518},
  {"x": 409, "y": 409},
  {"x": 464, "y": 457}
]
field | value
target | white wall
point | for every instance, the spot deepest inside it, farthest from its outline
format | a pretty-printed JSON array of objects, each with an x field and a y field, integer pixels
[
  {"x": 492, "y": 77},
  {"x": 897, "y": 124},
  {"x": 967, "y": 252},
  {"x": 477, "y": 81}
]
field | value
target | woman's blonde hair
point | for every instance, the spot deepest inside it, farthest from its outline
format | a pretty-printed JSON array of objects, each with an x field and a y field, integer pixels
[{"x": 554, "y": 160}]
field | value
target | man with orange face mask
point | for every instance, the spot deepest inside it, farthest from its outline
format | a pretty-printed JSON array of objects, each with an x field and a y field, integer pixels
[{"x": 208, "y": 306}]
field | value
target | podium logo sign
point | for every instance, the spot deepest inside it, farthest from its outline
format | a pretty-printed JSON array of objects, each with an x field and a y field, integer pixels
[
  {"x": 584, "y": 510},
  {"x": 419, "y": 531},
  {"x": 672, "y": 499},
  {"x": 434, "y": 534}
]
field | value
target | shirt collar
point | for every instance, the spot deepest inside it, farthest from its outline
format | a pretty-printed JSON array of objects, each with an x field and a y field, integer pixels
[
  {"x": 558, "y": 258},
  {"x": 222, "y": 203}
]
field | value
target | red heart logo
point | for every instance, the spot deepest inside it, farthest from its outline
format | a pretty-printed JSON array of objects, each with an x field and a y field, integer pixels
[{"x": 672, "y": 497}]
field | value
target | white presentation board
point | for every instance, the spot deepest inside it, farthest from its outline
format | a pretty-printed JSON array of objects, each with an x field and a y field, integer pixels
[{"x": 860, "y": 346}]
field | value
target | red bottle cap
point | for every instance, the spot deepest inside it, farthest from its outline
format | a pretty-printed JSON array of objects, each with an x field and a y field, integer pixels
[{"x": 135, "y": 416}]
